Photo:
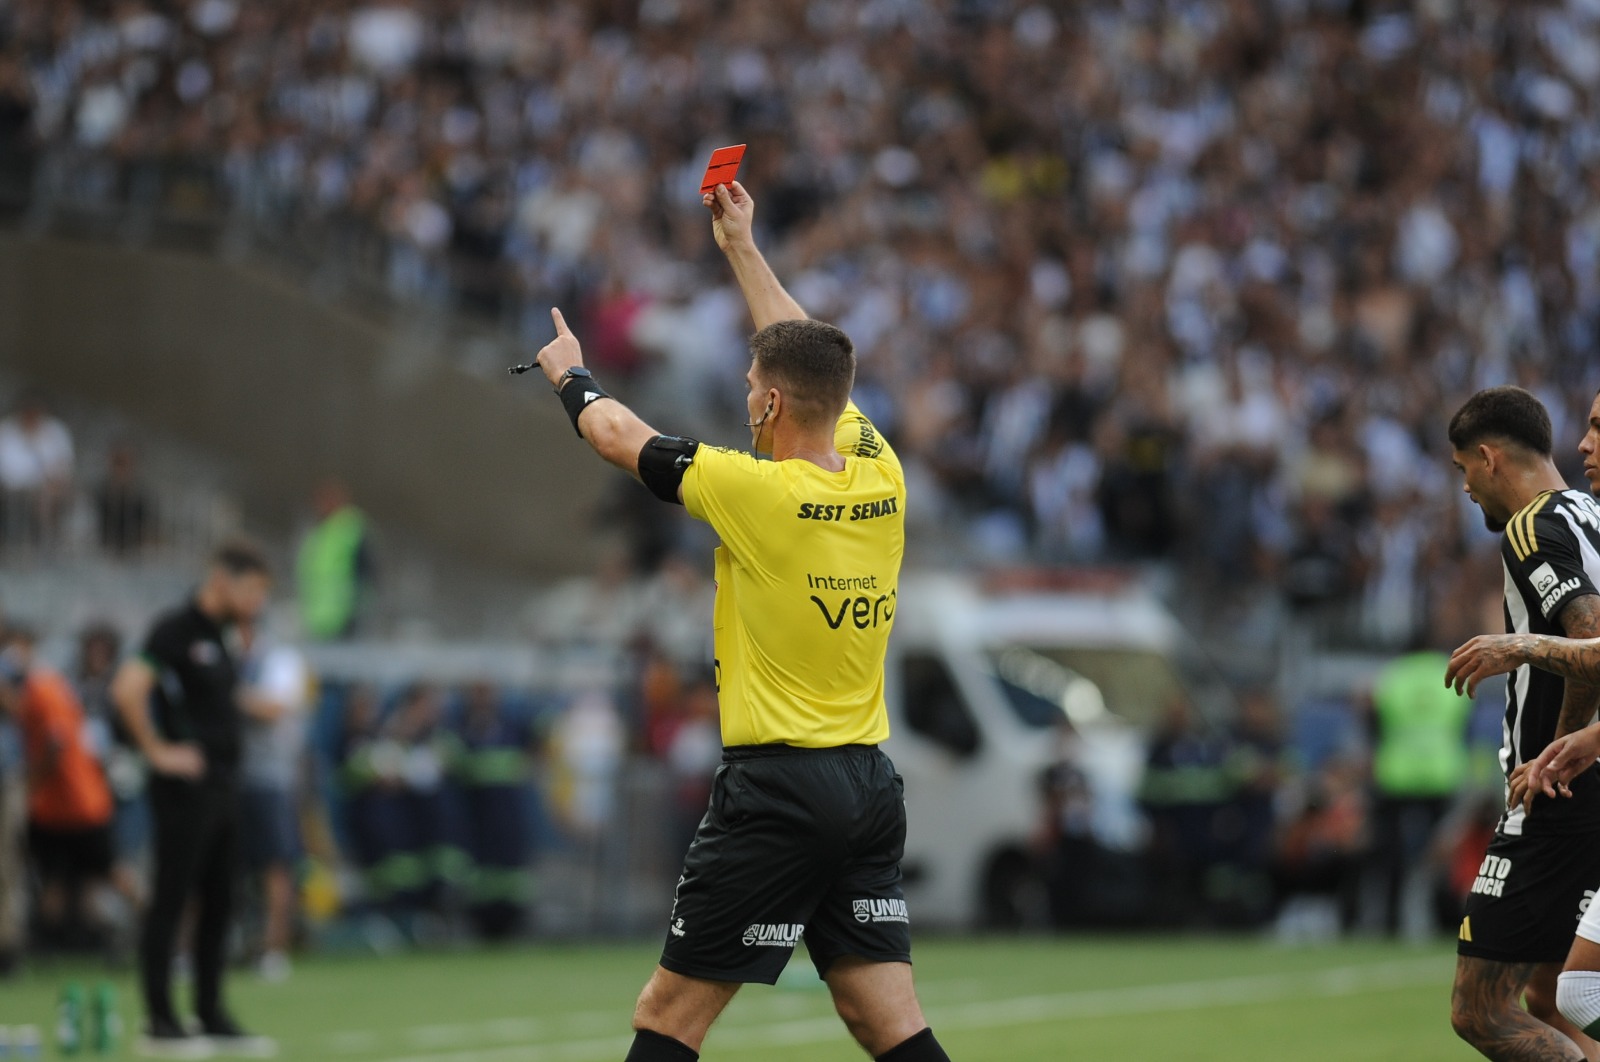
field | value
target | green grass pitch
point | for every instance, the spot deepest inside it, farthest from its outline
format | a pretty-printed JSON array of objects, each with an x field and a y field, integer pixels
[{"x": 1001, "y": 999}]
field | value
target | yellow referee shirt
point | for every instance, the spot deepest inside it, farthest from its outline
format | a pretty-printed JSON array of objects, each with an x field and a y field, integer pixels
[{"x": 806, "y": 586}]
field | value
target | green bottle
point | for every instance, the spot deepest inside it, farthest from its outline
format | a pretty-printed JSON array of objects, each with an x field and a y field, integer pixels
[
  {"x": 69, "y": 1020},
  {"x": 105, "y": 1023}
]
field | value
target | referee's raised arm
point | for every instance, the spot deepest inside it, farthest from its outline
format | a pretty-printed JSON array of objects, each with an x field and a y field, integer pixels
[
  {"x": 615, "y": 431},
  {"x": 732, "y": 216}
]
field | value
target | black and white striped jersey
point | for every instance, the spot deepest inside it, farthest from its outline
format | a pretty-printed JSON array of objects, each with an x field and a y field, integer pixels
[{"x": 1551, "y": 554}]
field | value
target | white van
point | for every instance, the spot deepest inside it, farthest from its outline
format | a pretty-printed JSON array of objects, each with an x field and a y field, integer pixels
[{"x": 981, "y": 682}]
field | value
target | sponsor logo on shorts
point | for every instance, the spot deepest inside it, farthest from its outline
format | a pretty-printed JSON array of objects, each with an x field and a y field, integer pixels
[
  {"x": 1492, "y": 875},
  {"x": 880, "y": 911},
  {"x": 1583, "y": 904},
  {"x": 773, "y": 935},
  {"x": 676, "y": 928}
]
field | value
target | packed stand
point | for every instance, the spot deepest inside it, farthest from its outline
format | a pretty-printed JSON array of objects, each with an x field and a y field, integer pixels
[{"x": 1188, "y": 279}]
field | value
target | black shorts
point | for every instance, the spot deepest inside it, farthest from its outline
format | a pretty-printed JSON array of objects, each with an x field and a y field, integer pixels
[
  {"x": 73, "y": 855},
  {"x": 797, "y": 843},
  {"x": 1528, "y": 896}
]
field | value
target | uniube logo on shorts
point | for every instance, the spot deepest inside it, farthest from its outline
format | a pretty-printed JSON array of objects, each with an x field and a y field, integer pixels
[
  {"x": 1492, "y": 876},
  {"x": 880, "y": 910},
  {"x": 780, "y": 935}
]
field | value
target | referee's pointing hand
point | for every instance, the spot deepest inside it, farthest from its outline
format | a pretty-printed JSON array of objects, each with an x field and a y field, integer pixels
[{"x": 562, "y": 352}]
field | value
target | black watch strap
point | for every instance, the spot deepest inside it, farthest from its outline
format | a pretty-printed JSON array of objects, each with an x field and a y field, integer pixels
[{"x": 575, "y": 371}]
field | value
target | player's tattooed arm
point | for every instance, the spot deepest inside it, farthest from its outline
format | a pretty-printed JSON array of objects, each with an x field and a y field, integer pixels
[
  {"x": 1495, "y": 654},
  {"x": 1580, "y": 619}
]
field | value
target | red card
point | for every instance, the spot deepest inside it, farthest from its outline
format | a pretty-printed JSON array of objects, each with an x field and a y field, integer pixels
[{"x": 722, "y": 168}]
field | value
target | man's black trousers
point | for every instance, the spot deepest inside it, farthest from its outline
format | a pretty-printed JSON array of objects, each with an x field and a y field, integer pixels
[{"x": 196, "y": 843}]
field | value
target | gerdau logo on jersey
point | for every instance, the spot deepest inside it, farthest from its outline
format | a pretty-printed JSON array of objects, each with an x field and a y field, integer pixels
[{"x": 773, "y": 935}]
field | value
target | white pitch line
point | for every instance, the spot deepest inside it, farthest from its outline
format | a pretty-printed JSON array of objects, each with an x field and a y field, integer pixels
[
  {"x": 1091, "y": 1003},
  {"x": 595, "y": 1023}
]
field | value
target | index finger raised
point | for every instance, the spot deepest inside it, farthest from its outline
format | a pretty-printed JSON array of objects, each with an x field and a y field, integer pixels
[{"x": 561, "y": 322}]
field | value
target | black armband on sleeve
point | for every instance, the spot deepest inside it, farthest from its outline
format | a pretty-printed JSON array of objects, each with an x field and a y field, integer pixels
[
  {"x": 662, "y": 463},
  {"x": 576, "y": 396}
]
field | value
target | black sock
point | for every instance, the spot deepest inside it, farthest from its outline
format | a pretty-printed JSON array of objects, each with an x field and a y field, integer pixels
[
  {"x": 653, "y": 1047},
  {"x": 919, "y": 1048}
]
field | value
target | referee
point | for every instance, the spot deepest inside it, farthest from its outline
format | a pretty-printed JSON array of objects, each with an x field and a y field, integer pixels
[
  {"x": 178, "y": 700},
  {"x": 806, "y": 825}
]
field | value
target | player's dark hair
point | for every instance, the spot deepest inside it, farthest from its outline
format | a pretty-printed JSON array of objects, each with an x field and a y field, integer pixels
[
  {"x": 240, "y": 556},
  {"x": 1505, "y": 413},
  {"x": 812, "y": 363}
]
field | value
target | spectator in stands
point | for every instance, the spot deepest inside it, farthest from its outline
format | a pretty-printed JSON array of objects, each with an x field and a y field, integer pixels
[
  {"x": 1087, "y": 883},
  {"x": 406, "y": 823},
  {"x": 275, "y": 697},
  {"x": 69, "y": 803},
  {"x": 1318, "y": 860},
  {"x": 334, "y": 569},
  {"x": 1419, "y": 762},
  {"x": 1250, "y": 824},
  {"x": 1186, "y": 788},
  {"x": 18, "y": 143},
  {"x": 692, "y": 749},
  {"x": 124, "y": 511},
  {"x": 36, "y": 463},
  {"x": 493, "y": 765},
  {"x": 369, "y": 767},
  {"x": 13, "y": 831},
  {"x": 99, "y": 648}
]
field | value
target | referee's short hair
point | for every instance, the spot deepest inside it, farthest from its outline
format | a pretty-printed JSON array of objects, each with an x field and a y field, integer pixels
[
  {"x": 240, "y": 556},
  {"x": 1506, "y": 413},
  {"x": 812, "y": 363}
]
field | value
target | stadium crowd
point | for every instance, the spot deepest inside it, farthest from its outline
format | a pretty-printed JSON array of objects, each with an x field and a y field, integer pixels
[{"x": 1185, "y": 279}]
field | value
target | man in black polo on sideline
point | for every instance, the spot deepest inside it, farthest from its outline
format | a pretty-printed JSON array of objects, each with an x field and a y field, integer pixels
[{"x": 179, "y": 701}]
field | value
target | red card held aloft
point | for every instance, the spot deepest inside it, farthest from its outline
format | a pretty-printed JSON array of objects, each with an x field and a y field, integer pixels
[{"x": 722, "y": 168}]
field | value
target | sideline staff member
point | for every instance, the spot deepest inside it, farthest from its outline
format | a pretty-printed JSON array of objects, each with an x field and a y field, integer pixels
[
  {"x": 807, "y": 820},
  {"x": 178, "y": 700}
]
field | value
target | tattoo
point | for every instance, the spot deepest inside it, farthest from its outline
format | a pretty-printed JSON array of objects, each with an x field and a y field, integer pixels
[
  {"x": 1565, "y": 657},
  {"x": 1580, "y": 618},
  {"x": 1486, "y": 1011}
]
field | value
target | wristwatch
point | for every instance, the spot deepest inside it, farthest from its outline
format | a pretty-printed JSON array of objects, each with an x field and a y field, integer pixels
[{"x": 576, "y": 370}]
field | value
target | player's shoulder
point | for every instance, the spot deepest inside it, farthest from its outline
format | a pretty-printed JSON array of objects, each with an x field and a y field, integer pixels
[
  {"x": 1552, "y": 517},
  {"x": 172, "y": 621},
  {"x": 170, "y": 631},
  {"x": 1569, "y": 509}
]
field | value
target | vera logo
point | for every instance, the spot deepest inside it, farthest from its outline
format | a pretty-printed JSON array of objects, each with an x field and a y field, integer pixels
[
  {"x": 1583, "y": 906},
  {"x": 1543, "y": 579},
  {"x": 862, "y": 611},
  {"x": 880, "y": 910},
  {"x": 780, "y": 935}
]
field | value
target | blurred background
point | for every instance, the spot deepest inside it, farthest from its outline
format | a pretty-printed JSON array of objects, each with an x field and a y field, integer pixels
[{"x": 1164, "y": 304}]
